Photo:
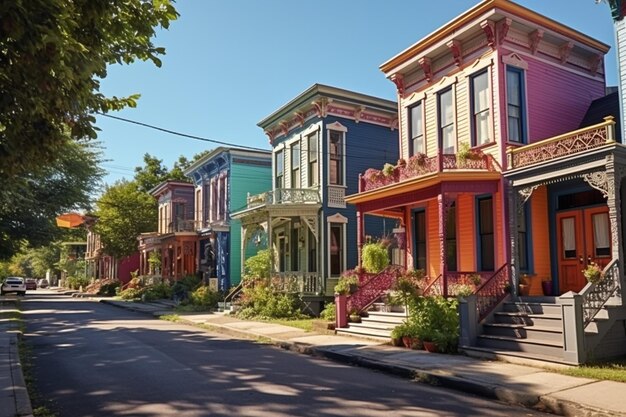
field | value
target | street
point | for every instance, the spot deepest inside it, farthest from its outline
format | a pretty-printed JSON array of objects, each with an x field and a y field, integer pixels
[{"x": 92, "y": 359}]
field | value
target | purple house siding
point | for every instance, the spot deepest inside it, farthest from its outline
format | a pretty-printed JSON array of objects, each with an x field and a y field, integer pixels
[{"x": 553, "y": 106}]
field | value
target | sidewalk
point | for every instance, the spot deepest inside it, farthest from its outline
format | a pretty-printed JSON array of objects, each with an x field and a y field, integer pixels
[
  {"x": 14, "y": 400},
  {"x": 516, "y": 384}
]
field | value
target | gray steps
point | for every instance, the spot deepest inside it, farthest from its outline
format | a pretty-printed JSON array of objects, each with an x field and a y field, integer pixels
[
  {"x": 512, "y": 356},
  {"x": 376, "y": 325},
  {"x": 543, "y": 320},
  {"x": 521, "y": 331},
  {"x": 534, "y": 346}
]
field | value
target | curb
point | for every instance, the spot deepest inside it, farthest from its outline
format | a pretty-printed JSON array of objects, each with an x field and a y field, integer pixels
[{"x": 22, "y": 400}]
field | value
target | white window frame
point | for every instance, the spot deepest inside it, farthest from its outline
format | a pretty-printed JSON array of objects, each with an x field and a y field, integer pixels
[
  {"x": 337, "y": 127},
  {"x": 444, "y": 84},
  {"x": 336, "y": 219}
]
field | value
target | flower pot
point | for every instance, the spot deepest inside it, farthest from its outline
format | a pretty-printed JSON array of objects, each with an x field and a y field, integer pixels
[
  {"x": 416, "y": 343},
  {"x": 546, "y": 286},
  {"x": 406, "y": 341},
  {"x": 431, "y": 347},
  {"x": 524, "y": 290},
  {"x": 355, "y": 318},
  {"x": 396, "y": 341}
]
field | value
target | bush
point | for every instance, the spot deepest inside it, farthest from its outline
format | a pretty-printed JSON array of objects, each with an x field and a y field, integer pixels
[
  {"x": 375, "y": 257},
  {"x": 437, "y": 319},
  {"x": 109, "y": 289},
  {"x": 75, "y": 282},
  {"x": 203, "y": 296},
  {"x": 258, "y": 266},
  {"x": 345, "y": 283},
  {"x": 260, "y": 301},
  {"x": 131, "y": 294},
  {"x": 156, "y": 292},
  {"x": 329, "y": 312}
]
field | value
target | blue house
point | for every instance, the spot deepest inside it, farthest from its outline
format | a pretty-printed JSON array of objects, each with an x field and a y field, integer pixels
[
  {"x": 223, "y": 179},
  {"x": 321, "y": 140}
]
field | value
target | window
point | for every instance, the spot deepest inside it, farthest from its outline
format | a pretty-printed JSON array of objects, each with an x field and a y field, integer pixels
[
  {"x": 312, "y": 251},
  {"x": 486, "y": 236},
  {"x": 335, "y": 156},
  {"x": 451, "y": 239},
  {"x": 336, "y": 249},
  {"x": 522, "y": 238},
  {"x": 446, "y": 122},
  {"x": 515, "y": 104},
  {"x": 420, "y": 239},
  {"x": 295, "y": 166},
  {"x": 312, "y": 158},
  {"x": 280, "y": 169},
  {"x": 416, "y": 119},
  {"x": 295, "y": 250},
  {"x": 480, "y": 109}
]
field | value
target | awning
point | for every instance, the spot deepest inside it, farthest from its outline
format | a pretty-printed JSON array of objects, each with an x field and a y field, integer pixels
[{"x": 71, "y": 220}]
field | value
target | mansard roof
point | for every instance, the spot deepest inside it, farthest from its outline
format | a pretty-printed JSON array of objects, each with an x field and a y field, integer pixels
[{"x": 601, "y": 108}]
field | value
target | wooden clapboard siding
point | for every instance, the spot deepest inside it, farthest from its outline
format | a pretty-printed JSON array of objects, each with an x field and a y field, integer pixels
[
  {"x": 466, "y": 233},
  {"x": 540, "y": 238},
  {"x": 462, "y": 110},
  {"x": 500, "y": 220}
]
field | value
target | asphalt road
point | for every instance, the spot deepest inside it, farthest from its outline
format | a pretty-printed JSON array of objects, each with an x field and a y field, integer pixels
[{"x": 93, "y": 359}]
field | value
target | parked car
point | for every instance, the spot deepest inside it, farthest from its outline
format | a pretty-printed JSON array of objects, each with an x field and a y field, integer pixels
[
  {"x": 43, "y": 283},
  {"x": 31, "y": 284},
  {"x": 13, "y": 284}
]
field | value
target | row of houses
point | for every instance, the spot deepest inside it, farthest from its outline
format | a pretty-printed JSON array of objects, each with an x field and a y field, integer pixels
[{"x": 505, "y": 158}]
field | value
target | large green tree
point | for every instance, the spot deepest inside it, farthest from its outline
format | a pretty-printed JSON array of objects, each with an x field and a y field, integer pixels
[
  {"x": 53, "y": 54},
  {"x": 30, "y": 202}
]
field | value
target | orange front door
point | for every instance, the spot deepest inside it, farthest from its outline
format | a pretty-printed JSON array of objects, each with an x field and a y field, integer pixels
[{"x": 583, "y": 236}]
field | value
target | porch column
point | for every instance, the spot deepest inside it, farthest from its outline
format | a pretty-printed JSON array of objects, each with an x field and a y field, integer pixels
[
  {"x": 613, "y": 201},
  {"x": 513, "y": 207},
  {"x": 270, "y": 245},
  {"x": 442, "y": 209},
  {"x": 244, "y": 237},
  {"x": 360, "y": 233}
]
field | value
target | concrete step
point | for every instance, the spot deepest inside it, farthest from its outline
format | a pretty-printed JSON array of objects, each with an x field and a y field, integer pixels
[
  {"x": 386, "y": 317},
  {"x": 532, "y": 308},
  {"x": 366, "y": 333},
  {"x": 520, "y": 331},
  {"x": 534, "y": 346},
  {"x": 518, "y": 357},
  {"x": 366, "y": 324},
  {"x": 386, "y": 308},
  {"x": 543, "y": 320}
]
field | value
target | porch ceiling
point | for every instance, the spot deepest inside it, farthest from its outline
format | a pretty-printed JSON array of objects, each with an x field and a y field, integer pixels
[{"x": 425, "y": 187}]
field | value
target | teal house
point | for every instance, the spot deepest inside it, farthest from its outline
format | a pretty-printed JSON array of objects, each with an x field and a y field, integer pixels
[{"x": 223, "y": 179}]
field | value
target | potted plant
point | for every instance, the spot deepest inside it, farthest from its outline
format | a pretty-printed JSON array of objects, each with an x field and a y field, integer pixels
[
  {"x": 375, "y": 257},
  {"x": 546, "y": 286},
  {"x": 354, "y": 316},
  {"x": 524, "y": 285},
  {"x": 593, "y": 273},
  {"x": 347, "y": 284},
  {"x": 463, "y": 154},
  {"x": 398, "y": 333}
]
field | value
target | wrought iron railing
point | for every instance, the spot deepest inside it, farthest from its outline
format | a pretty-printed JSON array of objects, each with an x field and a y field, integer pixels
[
  {"x": 420, "y": 165},
  {"x": 234, "y": 292},
  {"x": 595, "y": 296},
  {"x": 434, "y": 287},
  {"x": 570, "y": 143},
  {"x": 492, "y": 292},
  {"x": 373, "y": 289}
]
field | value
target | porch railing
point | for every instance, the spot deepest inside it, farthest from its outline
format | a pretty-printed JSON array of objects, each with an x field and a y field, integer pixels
[
  {"x": 492, "y": 292},
  {"x": 308, "y": 283},
  {"x": 373, "y": 289},
  {"x": 571, "y": 143},
  {"x": 595, "y": 296},
  {"x": 420, "y": 165},
  {"x": 455, "y": 282},
  {"x": 434, "y": 287}
]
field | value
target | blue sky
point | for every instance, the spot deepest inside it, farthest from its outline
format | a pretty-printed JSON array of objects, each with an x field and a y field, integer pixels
[{"x": 230, "y": 63}]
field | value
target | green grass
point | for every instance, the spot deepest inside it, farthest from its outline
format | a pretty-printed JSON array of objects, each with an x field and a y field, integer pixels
[
  {"x": 175, "y": 318},
  {"x": 304, "y": 324},
  {"x": 607, "y": 371}
]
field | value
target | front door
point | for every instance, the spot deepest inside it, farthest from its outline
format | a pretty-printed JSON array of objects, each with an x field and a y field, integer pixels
[{"x": 583, "y": 236}]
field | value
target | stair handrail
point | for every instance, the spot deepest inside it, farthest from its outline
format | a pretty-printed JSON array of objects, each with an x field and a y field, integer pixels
[
  {"x": 432, "y": 287},
  {"x": 233, "y": 292},
  {"x": 373, "y": 289},
  {"x": 595, "y": 295},
  {"x": 492, "y": 292}
]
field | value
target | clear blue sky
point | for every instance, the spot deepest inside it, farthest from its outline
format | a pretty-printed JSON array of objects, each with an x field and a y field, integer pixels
[{"x": 230, "y": 63}]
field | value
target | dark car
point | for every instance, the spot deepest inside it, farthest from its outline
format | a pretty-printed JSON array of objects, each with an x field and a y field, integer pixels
[
  {"x": 13, "y": 284},
  {"x": 43, "y": 283},
  {"x": 31, "y": 284}
]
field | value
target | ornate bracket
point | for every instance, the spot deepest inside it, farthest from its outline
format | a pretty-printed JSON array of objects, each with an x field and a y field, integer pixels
[
  {"x": 565, "y": 50},
  {"x": 393, "y": 124},
  {"x": 457, "y": 51},
  {"x": 534, "y": 39},
  {"x": 311, "y": 222},
  {"x": 270, "y": 136},
  {"x": 525, "y": 194},
  {"x": 321, "y": 107},
  {"x": 490, "y": 32},
  {"x": 502, "y": 28},
  {"x": 358, "y": 113},
  {"x": 426, "y": 67},
  {"x": 594, "y": 63},
  {"x": 398, "y": 80},
  {"x": 599, "y": 180},
  {"x": 299, "y": 117},
  {"x": 284, "y": 127}
]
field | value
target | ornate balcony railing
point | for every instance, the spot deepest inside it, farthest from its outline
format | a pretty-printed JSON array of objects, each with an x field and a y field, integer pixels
[
  {"x": 373, "y": 288},
  {"x": 420, "y": 165},
  {"x": 571, "y": 143},
  {"x": 180, "y": 225},
  {"x": 294, "y": 196},
  {"x": 456, "y": 283},
  {"x": 595, "y": 296},
  {"x": 256, "y": 200}
]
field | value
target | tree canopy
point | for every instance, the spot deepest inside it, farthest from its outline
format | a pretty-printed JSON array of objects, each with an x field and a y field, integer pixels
[{"x": 53, "y": 54}]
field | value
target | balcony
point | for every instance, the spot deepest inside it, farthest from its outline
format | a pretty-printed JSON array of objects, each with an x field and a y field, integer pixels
[
  {"x": 180, "y": 225},
  {"x": 421, "y": 165},
  {"x": 285, "y": 196},
  {"x": 567, "y": 145}
]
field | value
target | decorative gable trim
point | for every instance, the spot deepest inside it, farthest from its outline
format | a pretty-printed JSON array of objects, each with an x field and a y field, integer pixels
[
  {"x": 337, "y": 218},
  {"x": 336, "y": 126},
  {"x": 515, "y": 60}
]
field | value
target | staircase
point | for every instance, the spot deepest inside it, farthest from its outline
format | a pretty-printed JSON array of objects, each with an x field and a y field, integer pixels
[
  {"x": 530, "y": 328},
  {"x": 377, "y": 324}
]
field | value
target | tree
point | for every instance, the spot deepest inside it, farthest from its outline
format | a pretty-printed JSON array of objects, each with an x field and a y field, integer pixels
[
  {"x": 124, "y": 211},
  {"x": 53, "y": 54},
  {"x": 30, "y": 202},
  {"x": 151, "y": 174}
]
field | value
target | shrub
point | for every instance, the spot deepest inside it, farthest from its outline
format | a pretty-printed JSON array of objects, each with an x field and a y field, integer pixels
[
  {"x": 131, "y": 294},
  {"x": 258, "y": 266},
  {"x": 156, "y": 292},
  {"x": 346, "y": 282},
  {"x": 329, "y": 312},
  {"x": 203, "y": 296},
  {"x": 109, "y": 289},
  {"x": 437, "y": 319},
  {"x": 75, "y": 282},
  {"x": 260, "y": 301},
  {"x": 375, "y": 257}
]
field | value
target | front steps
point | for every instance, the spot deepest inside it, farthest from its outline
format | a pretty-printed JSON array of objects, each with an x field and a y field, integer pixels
[
  {"x": 377, "y": 325},
  {"x": 530, "y": 328}
]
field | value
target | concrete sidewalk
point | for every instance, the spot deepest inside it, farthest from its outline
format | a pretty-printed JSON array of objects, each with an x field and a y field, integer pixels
[
  {"x": 516, "y": 384},
  {"x": 14, "y": 399}
]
